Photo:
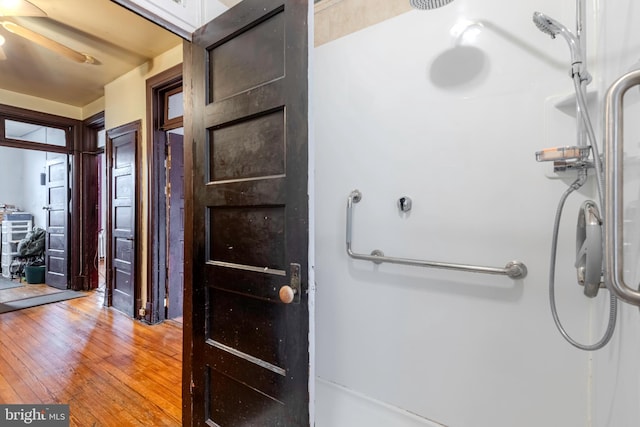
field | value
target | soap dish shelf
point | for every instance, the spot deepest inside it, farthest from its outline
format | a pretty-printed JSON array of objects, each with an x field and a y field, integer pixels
[{"x": 563, "y": 153}]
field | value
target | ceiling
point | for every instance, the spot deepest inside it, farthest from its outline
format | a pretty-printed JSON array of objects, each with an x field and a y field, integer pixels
[{"x": 119, "y": 40}]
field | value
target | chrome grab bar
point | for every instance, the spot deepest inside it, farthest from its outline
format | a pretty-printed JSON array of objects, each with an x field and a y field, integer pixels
[
  {"x": 513, "y": 269},
  {"x": 614, "y": 146}
]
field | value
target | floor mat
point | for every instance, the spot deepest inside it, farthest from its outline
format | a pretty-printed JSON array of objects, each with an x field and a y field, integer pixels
[
  {"x": 26, "y": 291},
  {"x": 20, "y": 304},
  {"x": 8, "y": 284}
]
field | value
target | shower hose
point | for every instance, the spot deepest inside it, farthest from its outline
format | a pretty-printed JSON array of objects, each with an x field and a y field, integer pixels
[{"x": 582, "y": 177}]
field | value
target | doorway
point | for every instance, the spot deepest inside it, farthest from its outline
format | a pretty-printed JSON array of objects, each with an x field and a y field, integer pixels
[
  {"x": 175, "y": 224},
  {"x": 102, "y": 219},
  {"x": 33, "y": 186},
  {"x": 100, "y": 167},
  {"x": 38, "y": 164},
  {"x": 166, "y": 171}
]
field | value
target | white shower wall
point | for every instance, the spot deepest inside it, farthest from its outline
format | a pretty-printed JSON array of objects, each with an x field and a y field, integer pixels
[{"x": 398, "y": 112}]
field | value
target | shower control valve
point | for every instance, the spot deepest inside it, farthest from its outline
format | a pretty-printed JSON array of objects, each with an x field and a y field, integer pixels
[{"x": 404, "y": 204}]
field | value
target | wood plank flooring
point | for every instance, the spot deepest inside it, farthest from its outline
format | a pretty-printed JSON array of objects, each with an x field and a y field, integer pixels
[{"x": 110, "y": 369}]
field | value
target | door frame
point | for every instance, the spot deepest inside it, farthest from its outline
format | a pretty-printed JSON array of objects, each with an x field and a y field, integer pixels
[
  {"x": 74, "y": 148},
  {"x": 156, "y": 262},
  {"x": 110, "y": 135},
  {"x": 89, "y": 197}
]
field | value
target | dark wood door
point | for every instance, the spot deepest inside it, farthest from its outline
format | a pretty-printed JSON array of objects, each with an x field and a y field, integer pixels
[
  {"x": 122, "y": 217},
  {"x": 57, "y": 218},
  {"x": 175, "y": 196},
  {"x": 246, "y": 351}
]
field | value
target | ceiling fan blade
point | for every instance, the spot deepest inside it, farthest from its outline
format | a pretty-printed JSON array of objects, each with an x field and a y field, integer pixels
[
  {"x": 20, "y": 8},
  {"x": 46, "y": 42}
]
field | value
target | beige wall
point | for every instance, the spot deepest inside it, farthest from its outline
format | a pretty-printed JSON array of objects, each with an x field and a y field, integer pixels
[
  {"x": 95, "y": 107},
  {"x": 125, "y": 97},
  {"x": 125, "y": 102},
  {"x": 338, "y": 18},
  {"x": 42, "y": 105}
]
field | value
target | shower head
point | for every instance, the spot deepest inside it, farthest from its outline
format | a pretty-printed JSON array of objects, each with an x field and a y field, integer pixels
[
  {"x": 553, "y": 28},
  {"x": 548, "y": 25},
  {"x": 428, "y": 4}
]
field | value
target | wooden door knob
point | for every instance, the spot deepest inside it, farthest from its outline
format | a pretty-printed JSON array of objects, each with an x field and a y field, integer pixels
[{"x": 287, "y": 294}]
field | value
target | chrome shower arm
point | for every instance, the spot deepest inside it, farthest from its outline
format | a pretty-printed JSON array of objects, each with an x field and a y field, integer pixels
[{"x": 614, "y": 149}]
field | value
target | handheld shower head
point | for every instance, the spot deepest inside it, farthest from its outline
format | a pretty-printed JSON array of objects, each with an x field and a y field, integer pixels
[
  {"x": 428, "y": 4},
  {"x": 548, "y": 25},
  {"x": 553, "y": 28}
]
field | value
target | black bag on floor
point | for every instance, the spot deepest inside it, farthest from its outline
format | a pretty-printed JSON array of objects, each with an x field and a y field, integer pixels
[{"x": 32, "y": 244}]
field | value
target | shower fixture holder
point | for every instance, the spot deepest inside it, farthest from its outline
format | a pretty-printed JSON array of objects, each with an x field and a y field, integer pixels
[
  {"x": 563, "y": 153},
  {"x": 573, "y": 165}
]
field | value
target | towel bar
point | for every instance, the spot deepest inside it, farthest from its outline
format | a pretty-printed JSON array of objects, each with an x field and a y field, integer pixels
[{"x": 513, "y": 269}]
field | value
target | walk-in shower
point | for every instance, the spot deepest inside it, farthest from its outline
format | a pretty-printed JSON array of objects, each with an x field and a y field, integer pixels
[{"x": 582, "y": 157}]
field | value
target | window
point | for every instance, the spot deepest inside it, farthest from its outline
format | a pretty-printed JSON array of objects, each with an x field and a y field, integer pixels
[
  {"x": 29, "y": 132},
  {"x": 173, "y": 108},
  {"x": 102, "y": 138}
]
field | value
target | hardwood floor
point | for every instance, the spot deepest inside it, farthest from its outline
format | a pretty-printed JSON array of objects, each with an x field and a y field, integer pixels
[{"x": 111, "y": 370}]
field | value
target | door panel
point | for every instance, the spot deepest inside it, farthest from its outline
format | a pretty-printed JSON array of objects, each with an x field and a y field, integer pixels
[
  {"x": 123, "y": 142},
  {"x": 240, "y": 63},
  {"x": 246, "y": 352},
  {"x": 57, "y": 217},
  {"x": 235, "y": 147},
  {"x": 175, "y": 276}
]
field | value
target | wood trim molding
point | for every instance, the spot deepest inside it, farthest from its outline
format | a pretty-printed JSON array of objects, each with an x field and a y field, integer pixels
[{"x": 70, "y": 126}]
